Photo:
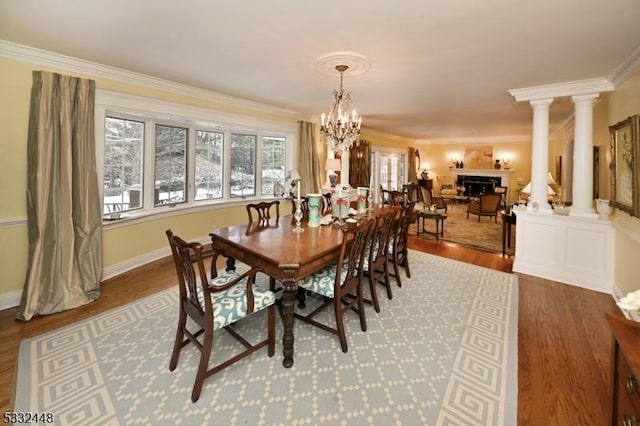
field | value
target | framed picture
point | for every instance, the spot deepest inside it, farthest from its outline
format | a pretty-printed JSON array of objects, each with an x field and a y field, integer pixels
[
  {"x": 478, "y": 157},
  {"x": 624, "y": 165}
]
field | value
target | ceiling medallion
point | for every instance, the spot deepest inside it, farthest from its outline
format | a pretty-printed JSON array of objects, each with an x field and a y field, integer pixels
[{"x": 355, "y": 62}]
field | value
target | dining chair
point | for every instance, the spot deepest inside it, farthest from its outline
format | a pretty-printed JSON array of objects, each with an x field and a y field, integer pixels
[
  {"x": 337, "y": 281},
  {"x": 398, "y": 248},
  {"x": 212, "y": 305},
  {"x": 394, "y": 198},
  {"x": 376, "y": 265},
  {"x": 264, "y": 211}
]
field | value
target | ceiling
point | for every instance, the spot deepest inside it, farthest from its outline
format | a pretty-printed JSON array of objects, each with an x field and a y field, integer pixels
[{"x": 438, "y": 70}]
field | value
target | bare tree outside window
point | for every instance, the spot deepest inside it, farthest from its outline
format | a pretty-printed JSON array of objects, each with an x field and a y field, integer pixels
[
  {"x": 123, "y": 165},
  {"x": 273, "y": 163},
  {"x": 243, "y": 165},
  {"x": 209, "y": 160},
  {"x": 170, "y": 165}
]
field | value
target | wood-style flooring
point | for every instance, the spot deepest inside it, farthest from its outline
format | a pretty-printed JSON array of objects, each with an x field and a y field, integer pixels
[{"x": 564, "y": 342}]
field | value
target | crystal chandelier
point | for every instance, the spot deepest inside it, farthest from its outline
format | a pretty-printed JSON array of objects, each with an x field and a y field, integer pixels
[{"x": 341, "y": 128}]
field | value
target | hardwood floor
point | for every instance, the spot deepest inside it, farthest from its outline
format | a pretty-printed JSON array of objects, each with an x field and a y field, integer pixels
[{"x": 564, "y": 342}]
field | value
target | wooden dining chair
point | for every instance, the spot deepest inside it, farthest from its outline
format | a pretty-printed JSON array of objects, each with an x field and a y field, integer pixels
[
  {"x": 337, "y": 281},
  {"x": 398, "y": 248},
  {"x": 376, "y": 265},
  {"x": 264, "y": 211},
  {"x": 212, "y": 305}
]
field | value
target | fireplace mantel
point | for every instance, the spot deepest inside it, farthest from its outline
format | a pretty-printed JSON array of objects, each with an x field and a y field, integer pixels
[{"x": 497, "y": 173}]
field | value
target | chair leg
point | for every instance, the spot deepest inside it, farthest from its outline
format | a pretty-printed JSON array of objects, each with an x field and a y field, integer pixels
[
  {"x": 177, "y": 344},
  {"x": 387, "y": 281},
  {"x": 405, "y": 263},
  {"x": 396, "y": 269},
  {"x": 374, "y": 293},
  {"x": 340, "y": 325},
  {"x": 363, "y": 320},
  {"x": 205, "y": 354}
]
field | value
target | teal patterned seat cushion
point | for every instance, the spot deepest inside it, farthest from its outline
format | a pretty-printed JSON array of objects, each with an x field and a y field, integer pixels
[
  {"x": 323, "y": 281},
  {"x": 230, "y": 305}
]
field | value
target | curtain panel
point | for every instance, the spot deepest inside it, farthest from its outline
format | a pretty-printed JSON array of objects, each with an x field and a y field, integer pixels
[
  {"x": 308, "y": 158},
  {"x": 414, "y": 164},
  {"x": 63, "y": 204}
]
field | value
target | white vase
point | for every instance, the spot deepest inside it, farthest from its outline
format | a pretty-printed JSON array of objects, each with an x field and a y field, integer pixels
[{"x": 603, "y": 208}]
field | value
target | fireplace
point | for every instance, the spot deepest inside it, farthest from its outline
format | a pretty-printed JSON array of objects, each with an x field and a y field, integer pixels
[
  {"x": 476, "y": 185},
  {"x": 477, "y": 181}
]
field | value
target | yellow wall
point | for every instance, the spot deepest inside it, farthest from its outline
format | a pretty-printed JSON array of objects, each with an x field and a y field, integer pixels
[
  {"x": 121, "y": 243},
  {"x": 622, "y": 103},
  {"x": 439, "y": 158}
]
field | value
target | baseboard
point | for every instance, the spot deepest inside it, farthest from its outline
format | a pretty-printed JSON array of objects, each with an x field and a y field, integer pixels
[{"x": 11, "y": 300}]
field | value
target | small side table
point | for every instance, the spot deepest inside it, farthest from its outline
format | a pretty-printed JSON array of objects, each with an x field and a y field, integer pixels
[
  {"x": 508, "y": 220},
  {"x": 438, "y": 218}
]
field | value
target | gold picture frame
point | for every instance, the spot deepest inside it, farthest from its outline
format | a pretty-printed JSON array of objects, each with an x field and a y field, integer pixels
[{"x": 624, "y": 165}]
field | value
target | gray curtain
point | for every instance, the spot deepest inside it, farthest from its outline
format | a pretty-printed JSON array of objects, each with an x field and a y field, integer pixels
[
  {"x": 308, "y": 158},
  {"x": 63, "y": 204}
]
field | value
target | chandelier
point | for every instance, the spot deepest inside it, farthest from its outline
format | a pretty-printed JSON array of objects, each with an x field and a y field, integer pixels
[{"x": 341, "y": 128}]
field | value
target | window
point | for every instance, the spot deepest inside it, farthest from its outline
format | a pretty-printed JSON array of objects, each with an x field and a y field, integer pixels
[
  {"x": 243, "y": 165},
  {"x": 209, "y": 155},
  {"x": 170, "y": 165},
  {"x": 159, "y": 155},
  {"x": 273, "y": 163},
  {"x": 123, "y": 165}
]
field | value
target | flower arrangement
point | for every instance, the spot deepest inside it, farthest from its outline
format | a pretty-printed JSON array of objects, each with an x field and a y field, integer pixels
[{"x": 631, "y": 302}]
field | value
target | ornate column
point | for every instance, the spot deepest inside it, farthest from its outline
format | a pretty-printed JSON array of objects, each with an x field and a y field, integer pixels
[
  {"x": 582, "y": 201},
  {"x": 540, "y": 155}
]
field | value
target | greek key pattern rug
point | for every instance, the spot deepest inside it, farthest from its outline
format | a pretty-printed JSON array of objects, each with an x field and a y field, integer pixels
[{"x": 443, "y": 351}]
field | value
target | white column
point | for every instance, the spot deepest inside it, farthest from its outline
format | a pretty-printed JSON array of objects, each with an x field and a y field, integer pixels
[
  {"x": 582, "y": 201},
  {"x": 540, "y": 155}
]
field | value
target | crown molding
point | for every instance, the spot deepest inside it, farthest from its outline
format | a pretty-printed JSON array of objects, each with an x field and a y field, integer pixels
[
  {"x": 70, "y": 64},
  {"x": 477, "y": 140},
  {"x": 559, "y": 90},
  {"x": 626, "y": 69}
]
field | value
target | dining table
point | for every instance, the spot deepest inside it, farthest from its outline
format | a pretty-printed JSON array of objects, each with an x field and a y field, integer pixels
[{"x": 282, "y": 254}]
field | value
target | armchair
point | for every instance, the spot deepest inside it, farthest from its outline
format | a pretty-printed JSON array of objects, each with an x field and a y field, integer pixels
[{"x": 486, "y": 205}]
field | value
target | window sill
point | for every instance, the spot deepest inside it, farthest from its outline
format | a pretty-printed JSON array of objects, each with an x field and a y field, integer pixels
[{"x": 142, "y": 216}]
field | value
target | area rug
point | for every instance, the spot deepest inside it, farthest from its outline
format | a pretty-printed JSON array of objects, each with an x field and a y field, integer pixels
[
  {"x": 484, "y": 235},
  {"x": 443, "y": 351}
]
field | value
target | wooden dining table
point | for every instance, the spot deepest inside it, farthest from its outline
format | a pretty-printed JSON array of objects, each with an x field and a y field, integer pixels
[{"x": 282, "y": 254}]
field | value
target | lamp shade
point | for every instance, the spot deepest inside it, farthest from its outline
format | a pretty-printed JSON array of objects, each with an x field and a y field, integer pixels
[
  {"x": 332, "y": 164},
  {"x": 527, "y": 189},
  {"x": 425, "y": 166},
  {"x": 293, "y": 175}
]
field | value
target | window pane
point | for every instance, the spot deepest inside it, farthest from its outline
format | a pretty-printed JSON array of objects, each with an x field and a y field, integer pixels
[
  {"x": 171, "y": 165},
  {"x": 209, "y": 155},
  {"x": 243, "y": 165},
  {"x": 393, "y": 174},
  {"x": 273, "y": 161},
  {"x": 123, "y": 165}
]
